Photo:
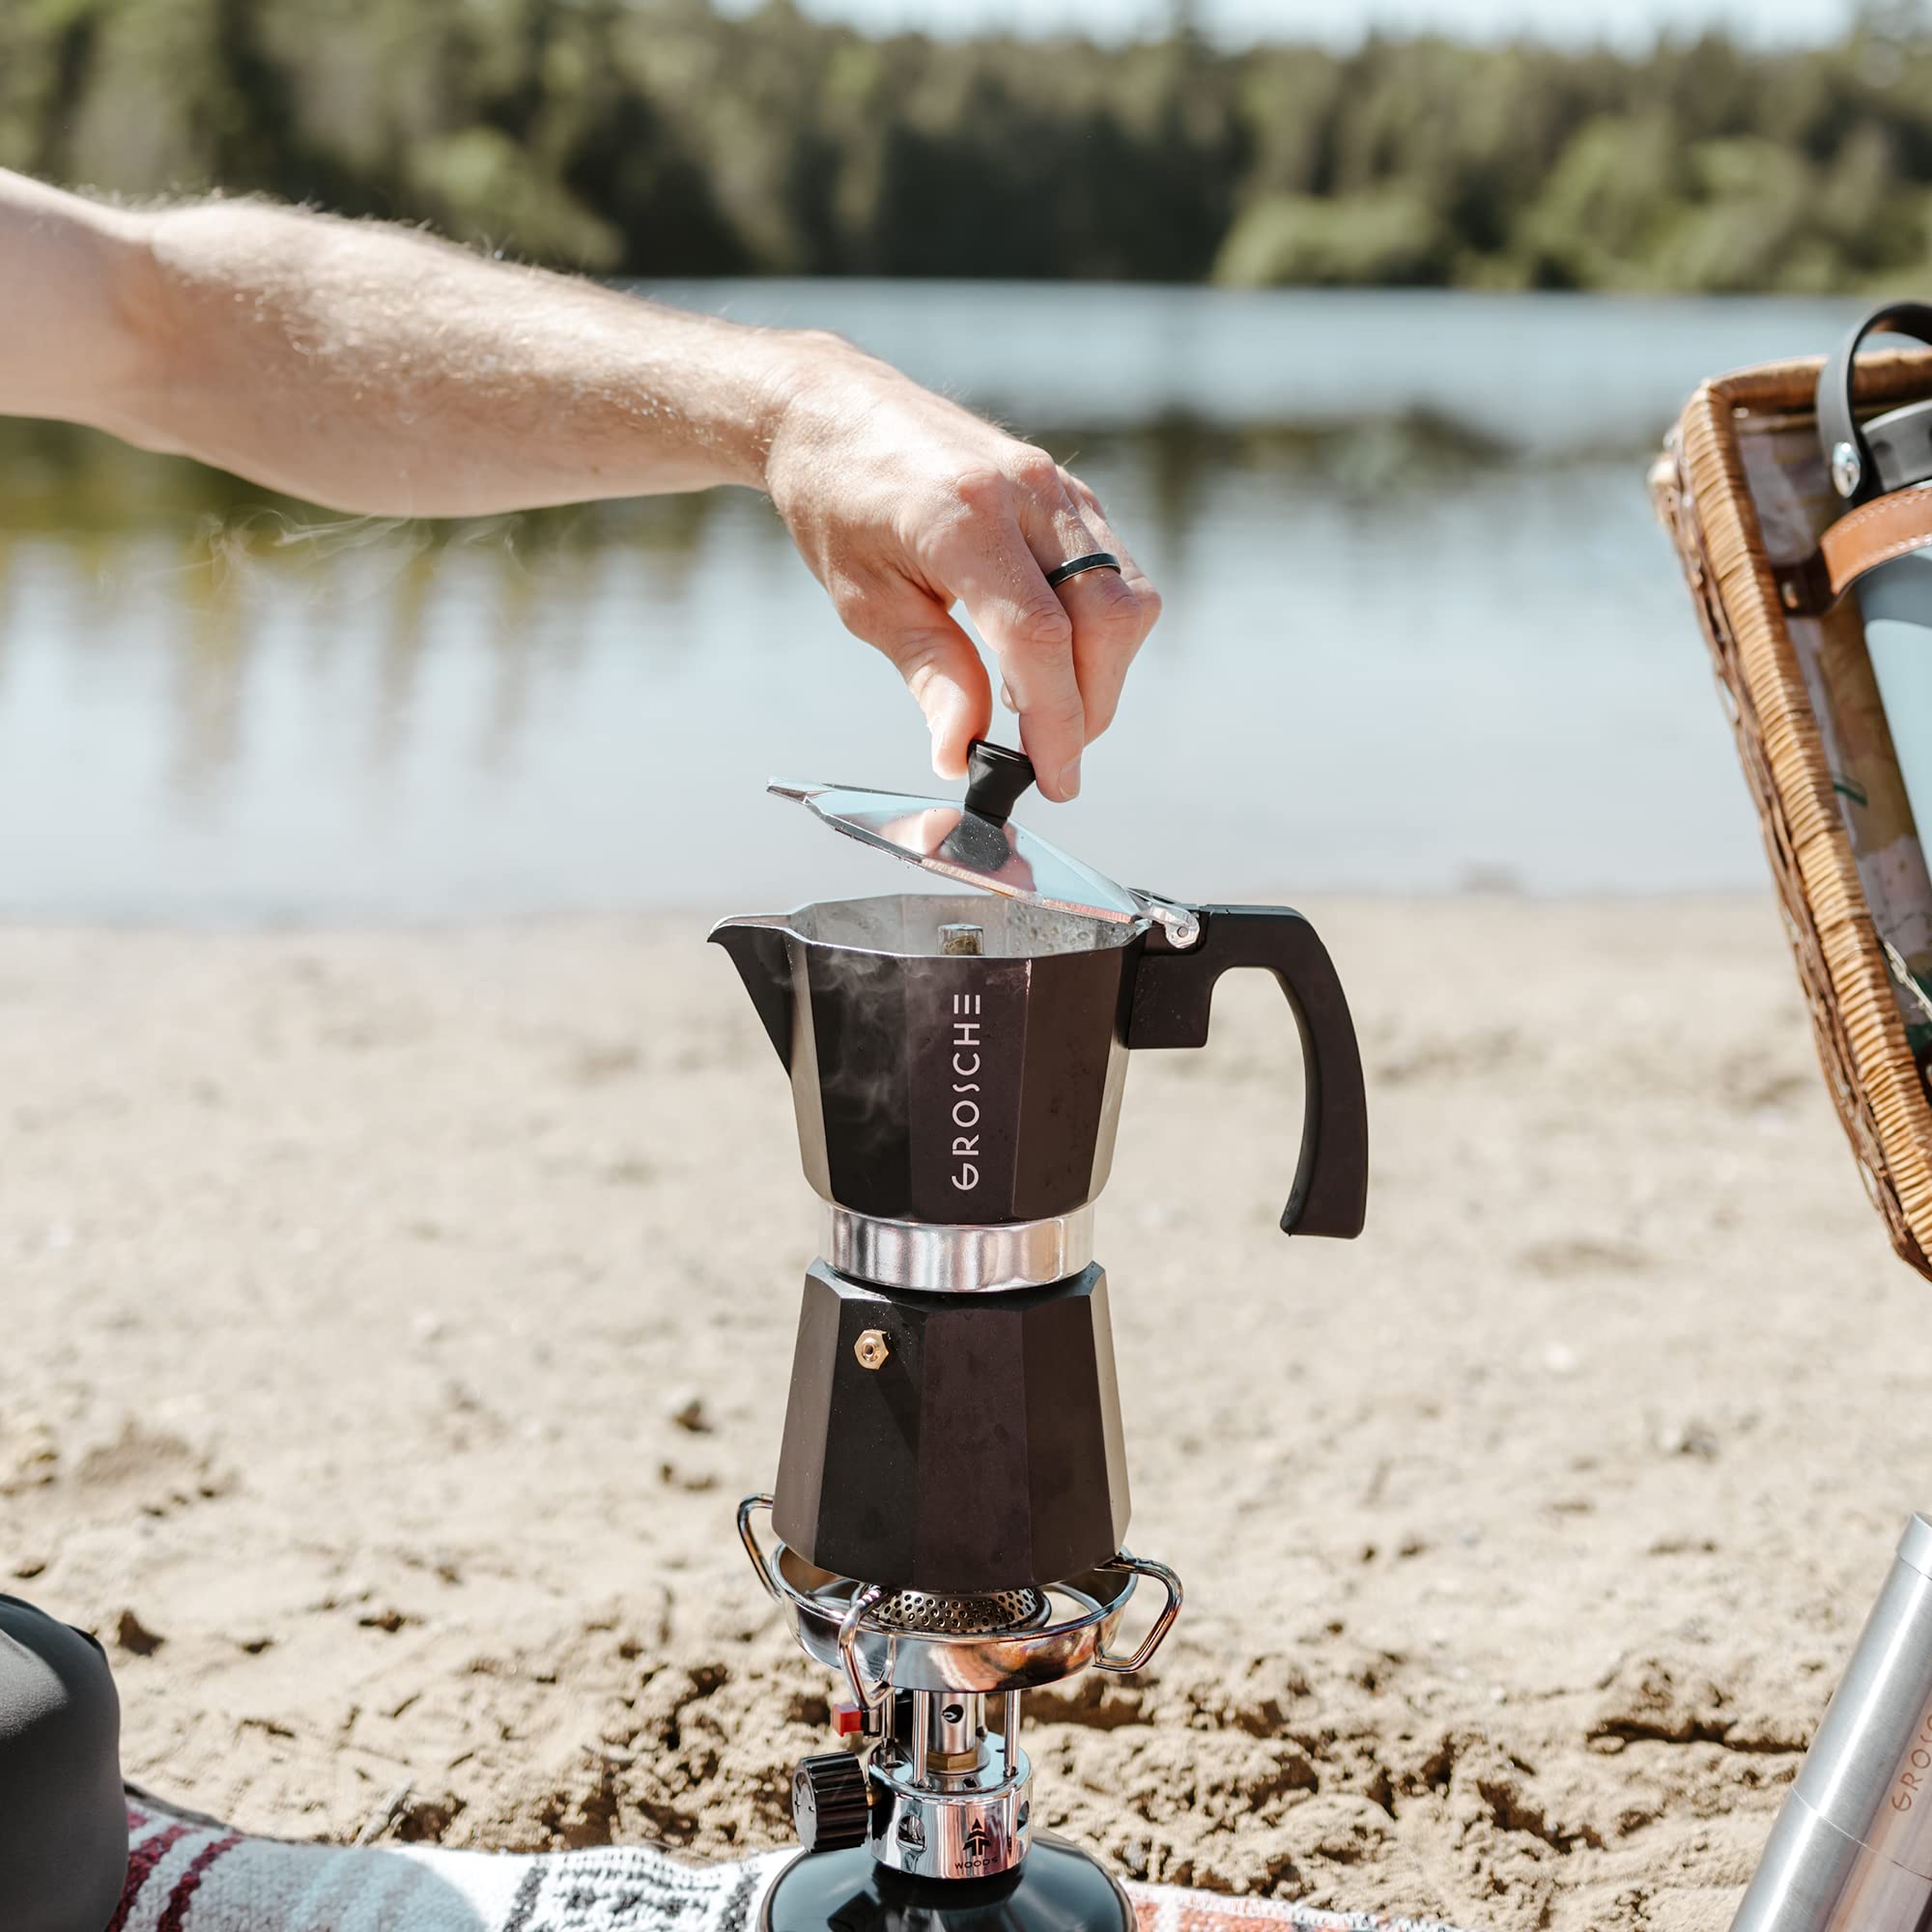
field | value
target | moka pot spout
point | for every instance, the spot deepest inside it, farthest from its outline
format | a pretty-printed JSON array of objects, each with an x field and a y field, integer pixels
[{"x": 760, "y": 945}]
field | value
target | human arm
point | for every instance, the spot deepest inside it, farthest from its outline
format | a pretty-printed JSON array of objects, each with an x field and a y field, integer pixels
[{"x": 378, "y": 370}]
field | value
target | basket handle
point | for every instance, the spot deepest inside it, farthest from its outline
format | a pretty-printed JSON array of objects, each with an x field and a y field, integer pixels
[{"x": 1854, "y": 471}]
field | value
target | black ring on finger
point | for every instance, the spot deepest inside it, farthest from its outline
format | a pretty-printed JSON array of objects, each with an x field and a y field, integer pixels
[{"x": 1094, "y": 559}]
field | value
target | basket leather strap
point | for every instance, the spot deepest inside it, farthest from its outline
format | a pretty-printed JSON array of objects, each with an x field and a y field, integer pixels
[{"x": 1875, "y": 533}]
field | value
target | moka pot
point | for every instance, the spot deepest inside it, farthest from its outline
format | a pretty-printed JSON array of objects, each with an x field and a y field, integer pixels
[{"x": 956, "y": 1064}]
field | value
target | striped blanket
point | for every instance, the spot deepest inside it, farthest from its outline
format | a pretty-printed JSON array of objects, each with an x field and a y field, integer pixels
[{"x": 188, "y": 1874}]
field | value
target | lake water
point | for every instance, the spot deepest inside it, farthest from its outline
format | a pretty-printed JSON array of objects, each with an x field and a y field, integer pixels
[{"x": 1422, "y": 632}]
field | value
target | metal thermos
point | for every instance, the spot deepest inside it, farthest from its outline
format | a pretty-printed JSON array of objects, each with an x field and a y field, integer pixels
[{"x": 1852, "y": 1849}]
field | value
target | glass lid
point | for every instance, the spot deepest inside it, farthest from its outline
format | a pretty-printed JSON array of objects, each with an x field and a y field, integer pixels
[{"x": 973, "y": 841}]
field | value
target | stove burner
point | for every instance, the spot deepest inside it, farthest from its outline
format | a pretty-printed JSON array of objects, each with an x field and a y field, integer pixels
[{"x": 932, "y": 1615}]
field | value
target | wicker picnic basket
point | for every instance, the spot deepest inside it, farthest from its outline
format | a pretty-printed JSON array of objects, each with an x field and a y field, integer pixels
[{"x": 1742, "y": 490}]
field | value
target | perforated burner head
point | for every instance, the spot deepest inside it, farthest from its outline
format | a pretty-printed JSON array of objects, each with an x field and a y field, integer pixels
[{"x": 961, "y": 1616}]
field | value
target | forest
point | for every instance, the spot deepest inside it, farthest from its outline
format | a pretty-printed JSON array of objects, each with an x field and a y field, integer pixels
[{"x": 659, "y": 138}]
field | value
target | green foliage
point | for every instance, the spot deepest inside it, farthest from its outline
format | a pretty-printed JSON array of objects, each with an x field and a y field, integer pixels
[
  {"x": 479, "y": 179},
  {"x": 1605, "y": 206},
  {"x": 1388, "y": 236},
  {"x": 655, "y": 137}
]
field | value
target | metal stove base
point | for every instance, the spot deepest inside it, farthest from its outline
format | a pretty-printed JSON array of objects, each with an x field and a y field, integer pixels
[{"x": 1059, "y": 1889}]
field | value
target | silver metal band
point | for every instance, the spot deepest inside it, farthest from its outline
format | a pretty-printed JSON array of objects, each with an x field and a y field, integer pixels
[
  {"x": 966, "y": 1824},
  {"x": 933, "y": 1258}
]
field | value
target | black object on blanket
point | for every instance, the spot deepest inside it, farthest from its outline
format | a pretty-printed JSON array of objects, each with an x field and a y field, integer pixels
[{"x": 63, "y": 1825}]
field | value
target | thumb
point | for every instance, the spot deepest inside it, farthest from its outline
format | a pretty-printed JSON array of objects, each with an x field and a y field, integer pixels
[{"x": 946, "y": 676}]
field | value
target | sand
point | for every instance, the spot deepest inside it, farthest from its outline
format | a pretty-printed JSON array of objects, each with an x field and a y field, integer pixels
[{"x": 392, "y": 1321}]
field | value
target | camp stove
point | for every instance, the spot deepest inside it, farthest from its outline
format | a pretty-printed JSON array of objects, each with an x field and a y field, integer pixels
[
  {"x": 944, "y": 1794},
  {"x": 947, "y": 1526}
]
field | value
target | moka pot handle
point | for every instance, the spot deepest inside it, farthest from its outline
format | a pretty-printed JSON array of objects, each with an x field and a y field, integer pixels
[{"x": 1171, "y": 998}]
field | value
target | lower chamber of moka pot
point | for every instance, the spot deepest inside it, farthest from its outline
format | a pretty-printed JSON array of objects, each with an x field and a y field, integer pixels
[{"x": 1059, "y": 1889}]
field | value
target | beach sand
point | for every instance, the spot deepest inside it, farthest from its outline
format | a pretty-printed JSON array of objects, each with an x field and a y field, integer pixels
[{"x": 392, "y": 1322}]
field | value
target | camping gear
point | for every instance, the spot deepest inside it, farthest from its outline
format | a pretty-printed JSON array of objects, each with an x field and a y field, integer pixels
[
  {"x": 1745, "y": 489},
  {"x": 950, "y": 1506},
  {"x": 1852, "y": 1849}
]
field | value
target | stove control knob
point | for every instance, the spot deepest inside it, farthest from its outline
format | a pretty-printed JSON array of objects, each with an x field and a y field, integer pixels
[{"x": 830, "y": 1802}]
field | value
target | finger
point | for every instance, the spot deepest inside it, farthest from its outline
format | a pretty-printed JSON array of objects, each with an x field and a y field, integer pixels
[
  {"x": 1098, "y": 519},
  {"x": 1106, "y": 612},
  {"x": 988, "y": 563},
  {"x": 936, "y": 658},
  {"x": 1112, "y": 617}
]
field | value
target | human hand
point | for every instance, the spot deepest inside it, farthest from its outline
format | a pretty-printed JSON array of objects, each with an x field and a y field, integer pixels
[{"x": 905, "y": 504}]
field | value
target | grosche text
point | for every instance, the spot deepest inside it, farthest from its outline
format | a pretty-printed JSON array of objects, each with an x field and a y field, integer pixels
[{"x": 965, "y": 1068}]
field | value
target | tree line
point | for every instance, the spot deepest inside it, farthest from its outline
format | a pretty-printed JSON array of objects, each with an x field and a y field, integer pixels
[{"x": 659, "y": 138}]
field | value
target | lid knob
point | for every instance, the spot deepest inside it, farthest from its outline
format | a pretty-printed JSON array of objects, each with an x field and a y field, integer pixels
[{"x": 995, "y": 778}]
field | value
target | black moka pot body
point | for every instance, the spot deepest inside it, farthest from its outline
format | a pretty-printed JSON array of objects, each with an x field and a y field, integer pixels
[
  {"x": 984, "y": 1088},
  {"x": 964, "y": 1443}
]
